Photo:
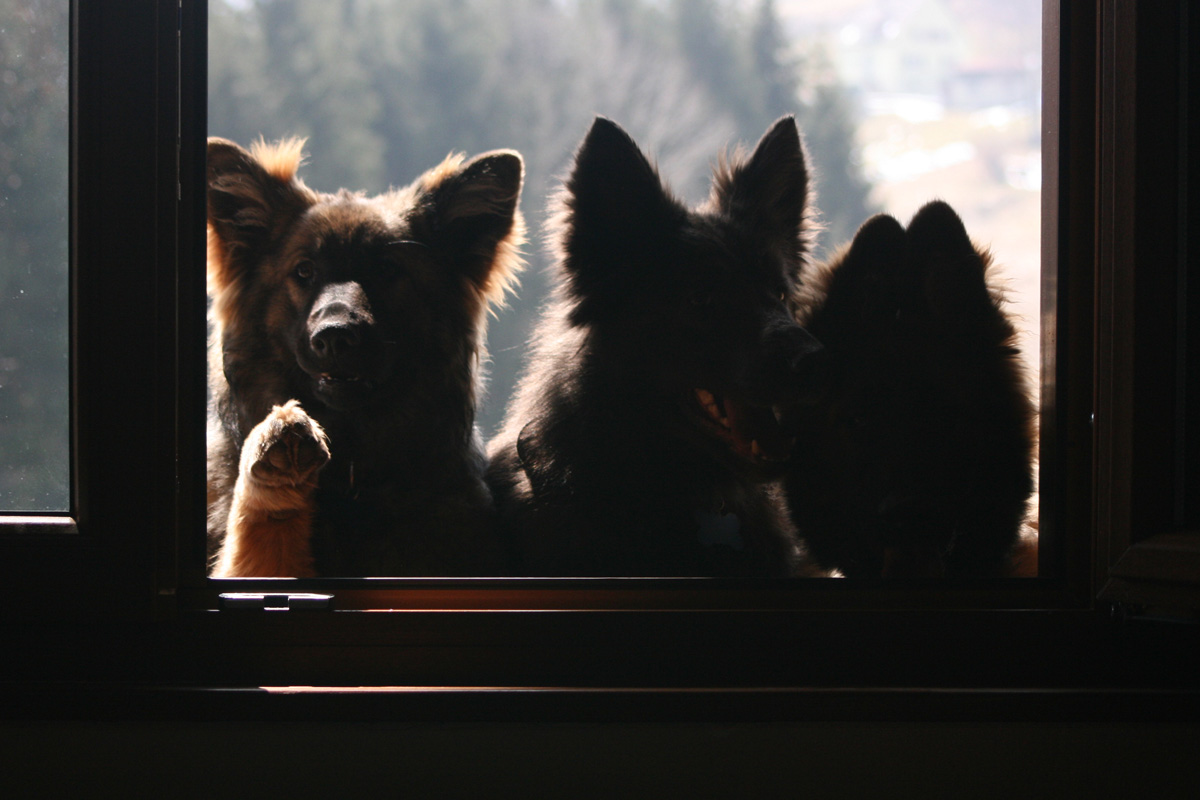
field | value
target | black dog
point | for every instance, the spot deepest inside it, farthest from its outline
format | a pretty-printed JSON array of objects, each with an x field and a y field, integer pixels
[
  {"x": 644, "y": 433},
  {"x": 915, "y": 458}
]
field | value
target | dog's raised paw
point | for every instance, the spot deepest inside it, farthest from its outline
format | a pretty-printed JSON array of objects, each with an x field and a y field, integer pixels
[{"x": 287, "y": 448}]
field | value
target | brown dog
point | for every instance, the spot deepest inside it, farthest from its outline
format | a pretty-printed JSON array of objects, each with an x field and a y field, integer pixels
[{"x": 346, "y": 337}]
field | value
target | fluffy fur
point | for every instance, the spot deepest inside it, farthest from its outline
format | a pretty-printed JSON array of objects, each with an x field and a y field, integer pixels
[
  {"x": 346, "y": 339},
  {"x": 643, "y": 436},
  {"x": 914, "y": 458}
]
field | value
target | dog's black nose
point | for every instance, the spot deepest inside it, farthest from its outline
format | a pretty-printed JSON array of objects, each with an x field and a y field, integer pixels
[
  {"x": 793, "y": 350},
  {"x": 805, "y": 352},
  {"x": 335, "y": 341},
  {"x": 340, "y": 317}
]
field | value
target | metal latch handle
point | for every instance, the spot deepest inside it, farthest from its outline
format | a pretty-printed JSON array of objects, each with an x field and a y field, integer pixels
[{"x": 281, "y": 601}]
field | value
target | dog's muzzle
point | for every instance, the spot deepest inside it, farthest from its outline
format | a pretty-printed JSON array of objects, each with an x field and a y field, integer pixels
[{"x": 340, "y": 331}]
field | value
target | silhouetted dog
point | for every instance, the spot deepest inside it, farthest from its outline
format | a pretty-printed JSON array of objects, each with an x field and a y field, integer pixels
[
  {"x": 915, "y": 457},
  {"x": 644, "y": 432}
]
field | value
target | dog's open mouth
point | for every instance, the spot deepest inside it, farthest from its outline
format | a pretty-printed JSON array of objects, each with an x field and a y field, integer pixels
[
  {"x": 753, "y": 432},
  {"x": 328, "y": 380},
  {"x": 343, "y": 389}
]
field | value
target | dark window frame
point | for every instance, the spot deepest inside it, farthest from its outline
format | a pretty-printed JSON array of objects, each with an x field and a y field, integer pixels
[{"x": 127, "y": 590}]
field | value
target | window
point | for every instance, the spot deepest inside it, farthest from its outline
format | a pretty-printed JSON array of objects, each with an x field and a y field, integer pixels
[
  {"x": 34, "y": 423},
  {"x": 129, "y": 590},
  {"x": 402, "y": 90},
  {"x": 126, "y": 241}
]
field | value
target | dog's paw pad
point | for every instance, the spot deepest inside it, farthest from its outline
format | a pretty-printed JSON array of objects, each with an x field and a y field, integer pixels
[
  {"x": 288, "y": 447},
  {"x": 296, "y": 451}
]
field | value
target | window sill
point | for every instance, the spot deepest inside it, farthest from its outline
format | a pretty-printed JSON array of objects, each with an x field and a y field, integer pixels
[
  {"x": 1160, "y": 574},
  {"x": 105, "y": 701}
]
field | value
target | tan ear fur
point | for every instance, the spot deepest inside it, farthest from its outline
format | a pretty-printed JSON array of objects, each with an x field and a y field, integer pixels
[
  {"x": 252, "y": 195},
  {"x": 483, "y": 192}
]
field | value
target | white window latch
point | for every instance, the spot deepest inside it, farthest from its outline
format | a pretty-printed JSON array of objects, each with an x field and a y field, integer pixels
[{"x": 283, "y": 601}]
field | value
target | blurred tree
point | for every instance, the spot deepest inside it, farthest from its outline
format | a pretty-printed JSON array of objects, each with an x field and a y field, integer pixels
[
  {"x": 239, "y": 105},
  {"x": 34, "y": 367},
  {"x": 809, "y": 87},
  {"x": 777, "y": 69},
  {"x": 756, "y": 72},
  {"x": 712, "y": 40},
  {"x": 842, "y": 192}
]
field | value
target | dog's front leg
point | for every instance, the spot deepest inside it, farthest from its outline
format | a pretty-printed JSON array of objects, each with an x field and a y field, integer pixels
[{"x": 269, "y": 529}]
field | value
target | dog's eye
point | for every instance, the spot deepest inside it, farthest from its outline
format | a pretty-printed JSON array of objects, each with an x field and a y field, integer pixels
[{"x": 304, "y": 271}]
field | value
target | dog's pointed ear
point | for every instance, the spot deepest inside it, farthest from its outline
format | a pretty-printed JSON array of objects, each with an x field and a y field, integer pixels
[
  {"x": 615, "y": 197},
  {"x": 483, "y": 192},
  {"x": 614, "y": 224},
  {"x": 867, "y": 278},
  {"x": 769, "y": 191},
  {"x": 476, "y": 215},
  {"x": 251, "y": 196},
  {"x": 948, "y": 273}
]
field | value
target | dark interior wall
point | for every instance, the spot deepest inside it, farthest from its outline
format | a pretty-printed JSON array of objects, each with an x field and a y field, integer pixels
[{"x": 877, "y": 759}]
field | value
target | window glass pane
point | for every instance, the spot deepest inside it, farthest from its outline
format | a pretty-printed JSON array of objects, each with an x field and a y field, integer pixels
[
  {"x": 34, "y": 396},
  {"x": 900, "y": 103}
]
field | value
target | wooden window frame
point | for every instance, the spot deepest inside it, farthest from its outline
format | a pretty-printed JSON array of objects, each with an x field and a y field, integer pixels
[
  {"x": 1147, "y": 521},
  {"x": 123, "y": 600}
]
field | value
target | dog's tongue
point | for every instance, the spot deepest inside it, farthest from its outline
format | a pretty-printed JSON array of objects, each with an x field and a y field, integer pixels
[{"x": 756, "y": 432}]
